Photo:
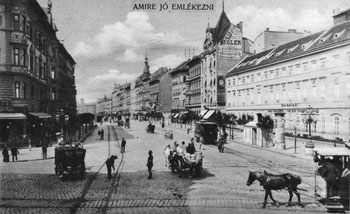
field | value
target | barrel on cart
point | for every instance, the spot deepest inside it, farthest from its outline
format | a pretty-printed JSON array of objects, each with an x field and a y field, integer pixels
[{"x": 69, "y": 162}]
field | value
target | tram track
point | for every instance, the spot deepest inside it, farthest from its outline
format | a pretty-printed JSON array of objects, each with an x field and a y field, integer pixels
[{"x": 78, "y": 202}]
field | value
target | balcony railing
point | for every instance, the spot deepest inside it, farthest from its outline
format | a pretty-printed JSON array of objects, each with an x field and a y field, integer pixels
[{"x": 18, "y": 38}]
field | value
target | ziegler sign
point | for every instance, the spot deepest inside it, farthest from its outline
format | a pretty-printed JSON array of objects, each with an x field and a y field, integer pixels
[{"x": 231, "y": 45}]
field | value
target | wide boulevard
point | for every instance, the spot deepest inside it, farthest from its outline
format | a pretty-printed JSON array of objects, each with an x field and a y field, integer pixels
[{"x": 31, "y": 186}]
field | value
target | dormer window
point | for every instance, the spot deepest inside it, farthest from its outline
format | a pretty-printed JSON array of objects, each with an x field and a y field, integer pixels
[
  {"x": 292, "y": 49},
  {"x": 325, "y": 38},
  {"x": 336, "y": 35}
]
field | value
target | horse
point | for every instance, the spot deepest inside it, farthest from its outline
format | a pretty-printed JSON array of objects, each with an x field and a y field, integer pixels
[
  {"x": 330, "y": 171},
  {"x": 276, "y": 182}
]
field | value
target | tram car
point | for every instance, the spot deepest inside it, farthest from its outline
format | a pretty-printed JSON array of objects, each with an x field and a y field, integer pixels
[{"x": 332, "y": 177}]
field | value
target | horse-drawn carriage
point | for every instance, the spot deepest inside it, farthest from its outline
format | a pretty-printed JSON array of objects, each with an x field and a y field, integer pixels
[
  {"x": 168, "y": 134},
  {"x": 179, "y": 162},
  {"x": 69, "y": 161},
  {"x": 127, "y": 123},
  {"x": 333, "y": 172}
]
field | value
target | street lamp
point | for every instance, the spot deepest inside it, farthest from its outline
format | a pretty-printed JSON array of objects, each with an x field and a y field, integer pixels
[{"x": 308, "y": 120}]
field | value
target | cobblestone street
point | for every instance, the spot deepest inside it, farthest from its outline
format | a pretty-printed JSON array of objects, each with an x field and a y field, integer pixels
[{"x": 30, "y": 185}]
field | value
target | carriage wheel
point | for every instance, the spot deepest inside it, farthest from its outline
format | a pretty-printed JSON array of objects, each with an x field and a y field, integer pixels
[
  {"x": 179, "y": 168},
  {"x": 198, "y": 170}
]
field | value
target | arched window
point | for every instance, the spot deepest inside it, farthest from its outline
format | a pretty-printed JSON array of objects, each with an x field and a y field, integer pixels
[{"x": 336, "y": 89}]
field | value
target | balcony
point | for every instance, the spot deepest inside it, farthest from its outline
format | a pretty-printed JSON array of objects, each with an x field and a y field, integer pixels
[
  {"x": 18, "y": 38},
  {"x": 19, "y": 69}
]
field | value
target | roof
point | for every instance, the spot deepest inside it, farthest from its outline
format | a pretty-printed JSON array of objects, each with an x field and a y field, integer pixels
[
  {"x": 338, "y": 34},
  {"x": 333, "y": 151},
  {"x": 220, "y": 29},
  {"x": 181, "y": 67}
]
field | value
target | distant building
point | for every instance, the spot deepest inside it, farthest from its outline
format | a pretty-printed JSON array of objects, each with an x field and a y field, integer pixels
[
  {"x": 270, "y": 39},
  {"x": 179, "y": 87},
  {"x": 86, "y": 108},
  {"x": 193, "y": 93},
  {"x": 104, "y": 106}
]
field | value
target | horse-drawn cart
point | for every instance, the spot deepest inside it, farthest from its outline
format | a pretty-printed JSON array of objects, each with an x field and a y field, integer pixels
[
  {"x": 333, "y": 172},
  {"x": 178, "y": 163},
  {"x": 69, "y": 162}
]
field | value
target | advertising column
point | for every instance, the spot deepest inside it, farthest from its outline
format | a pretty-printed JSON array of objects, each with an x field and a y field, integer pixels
[{"x": 279, "y": 137}]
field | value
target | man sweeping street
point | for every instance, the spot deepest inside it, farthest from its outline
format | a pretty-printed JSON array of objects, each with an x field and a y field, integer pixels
[{"x": 110, "y": 165}]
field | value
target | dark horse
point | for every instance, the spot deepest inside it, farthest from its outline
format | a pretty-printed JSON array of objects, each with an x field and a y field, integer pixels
[{"x": 276, "y": 182}]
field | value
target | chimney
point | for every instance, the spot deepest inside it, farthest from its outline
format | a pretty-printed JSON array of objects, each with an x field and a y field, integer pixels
[
  {"x": 336, "y": 11},
  {"x": 267, "y": 29}
]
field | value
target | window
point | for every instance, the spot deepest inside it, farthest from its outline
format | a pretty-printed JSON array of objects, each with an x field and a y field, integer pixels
[
  {"x": 16, "y": 22},
  {"x": 33, "y": 92},
  {"x": 233, "y": 81},
  {"x": 16, "y": 56},
  {"x": 305, "y": 66},
  {"x": 323, "y": 63},
  {"x": 336, "y": 123},
  {"x": 24, "y": 91},
  {"x": 290, "y": 70},
  {"x": 336, "y": 89},
  {"x": 323, "y": 122},
  {"x": 243, "y": 80},
  {"x": 252, "y": 78},
  {"x": 277, "y": 72},
  {"x": 17, "y": 90},
  {"x": 265, "y": 74}
]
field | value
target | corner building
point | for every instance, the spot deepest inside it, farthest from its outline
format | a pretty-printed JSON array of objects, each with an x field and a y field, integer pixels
[{"x": 311, "y": 71}]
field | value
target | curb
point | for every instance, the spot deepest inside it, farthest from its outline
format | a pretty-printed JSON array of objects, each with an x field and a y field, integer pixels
[{"x": 271, "y": 150}]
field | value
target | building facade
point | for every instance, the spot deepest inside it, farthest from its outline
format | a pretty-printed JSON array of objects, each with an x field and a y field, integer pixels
[
  {"x": 179, "y": 87},
  {"x": 104, "y": 106},
  {"x": 86, "y": 108},
  {"x": 193, "y": 96},
  {"x": 37, "y": 89},
  {"x": 309, "y": 72},
  {"x": 224, "y": 47}
]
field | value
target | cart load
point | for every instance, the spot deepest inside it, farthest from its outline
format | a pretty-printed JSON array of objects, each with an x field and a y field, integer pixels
[
  {"x": 69, "y": 162},
  {"x": 180, "y": 162}
]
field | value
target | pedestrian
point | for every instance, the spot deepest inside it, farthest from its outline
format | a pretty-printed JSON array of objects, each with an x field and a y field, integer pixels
[
  {"x": 44, "y": 149},
  {"x": 183, "y": 145},
  {"x": 221, "y": 144},
  {"x": 102, "y": 133},
  {"x": 123, "y": 145},
  {"x": 110, "y": 165},
  {"x": 5, "y": 154},
  {"x": 150, "y": 164},
  {"x": 14, "y": 153},
  {"x": 99, "y": 133}
]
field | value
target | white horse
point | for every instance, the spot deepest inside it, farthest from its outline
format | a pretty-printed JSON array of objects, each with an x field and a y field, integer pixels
[{"x": 167, "y": 155}]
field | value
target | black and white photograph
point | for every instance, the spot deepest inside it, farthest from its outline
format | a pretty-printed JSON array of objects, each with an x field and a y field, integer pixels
[{"x": 174, "y": 106}]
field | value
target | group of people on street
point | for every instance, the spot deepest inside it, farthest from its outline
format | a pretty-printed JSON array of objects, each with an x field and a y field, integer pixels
[
  {"x": 101, "y": 133},
  {"x": 6, "y": 156}
]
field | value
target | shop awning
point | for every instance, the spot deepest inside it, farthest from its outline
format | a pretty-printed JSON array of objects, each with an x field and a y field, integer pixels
[
  {"x": 208, "y": 114},
  {"x": 12, "y": 116},
  {"x": 202, "y": 113},
  {"x": 40, "y": 114}
]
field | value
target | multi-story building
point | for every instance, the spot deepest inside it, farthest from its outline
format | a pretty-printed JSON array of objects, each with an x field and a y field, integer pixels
[
  {"x": 36, "y": 73},
  {"x": 270, "y": 39},
  {"x": 165, "y": 95},
  {"x": 179, "y": 87},
  {"x": 193, "y": 98},
  {"x": 142, "y": 89},
  {"x": 104, "y": 106},
  {"x": 309, "y": 72},
  {"x": 224, "y": 47},
  {"x": 155, "y": 88}
]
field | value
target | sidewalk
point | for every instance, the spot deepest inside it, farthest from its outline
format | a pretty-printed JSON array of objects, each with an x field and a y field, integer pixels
[{"x": 290, "y": 150}]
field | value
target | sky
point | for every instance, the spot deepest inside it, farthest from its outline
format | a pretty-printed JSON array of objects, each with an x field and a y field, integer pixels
[{"x": 109, "y": 39}]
